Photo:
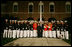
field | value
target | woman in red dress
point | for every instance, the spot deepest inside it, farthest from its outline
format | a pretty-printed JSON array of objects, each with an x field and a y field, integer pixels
[{"x": 34, "y": 29}]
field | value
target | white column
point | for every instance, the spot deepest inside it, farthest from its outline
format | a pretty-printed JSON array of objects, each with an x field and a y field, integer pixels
[{"x": 40, "y": 11}]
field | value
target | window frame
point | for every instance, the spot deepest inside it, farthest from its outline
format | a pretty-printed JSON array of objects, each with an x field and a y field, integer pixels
[
  {"x": 31, "y": 3},
  {"x": 15, "y": 3},
  {"x": 39, "y": 6},
  {"x": 52, "y": 3},
  {"x": 67, "y": 3}
]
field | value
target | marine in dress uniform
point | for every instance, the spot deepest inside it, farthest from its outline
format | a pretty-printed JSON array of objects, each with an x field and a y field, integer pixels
[
  {"x": 53, "y": 29},
  {"x": 58, "y": 29},
  {"x": 14, "y": 28},
  {"x": 45, "y": 30},
  {"x": 28, "y": 31},
  {"x": 25, "y": 28},
  {"x": 31, "y": 29},
  {"x": 18, "y": 29},
  {"x": 21, "y": 29},
  {"x": 62, "y": 30},
  {"x": 5, "y": 28},
  {"x": 66, "y": 30},
  {"x": 10, "y": 30}
]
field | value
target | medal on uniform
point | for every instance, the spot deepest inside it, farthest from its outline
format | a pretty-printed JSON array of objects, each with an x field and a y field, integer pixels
[
  {"x": 23, "y": 28},
  {"x": 26, "y": 27},
  {"x": 61, "y": 29}
]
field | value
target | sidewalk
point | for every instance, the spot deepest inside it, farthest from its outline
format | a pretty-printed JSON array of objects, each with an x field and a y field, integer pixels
[{"x": 38, "y": 42}]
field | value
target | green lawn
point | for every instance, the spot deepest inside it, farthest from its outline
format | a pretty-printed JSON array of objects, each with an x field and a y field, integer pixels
[{"x": 6, "y": 40}]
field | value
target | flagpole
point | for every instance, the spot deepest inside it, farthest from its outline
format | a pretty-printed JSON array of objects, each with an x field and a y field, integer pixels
[{"x": 40, "y": 12}]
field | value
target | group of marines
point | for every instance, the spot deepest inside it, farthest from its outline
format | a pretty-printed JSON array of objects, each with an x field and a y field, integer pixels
[{"x": 25, "y": 28}]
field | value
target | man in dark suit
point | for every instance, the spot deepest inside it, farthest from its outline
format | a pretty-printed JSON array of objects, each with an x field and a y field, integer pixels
[
  {"x": 42, "y": 28},
  {"x": 39, "y": 30},
  {"x": 10, "y": 30}
]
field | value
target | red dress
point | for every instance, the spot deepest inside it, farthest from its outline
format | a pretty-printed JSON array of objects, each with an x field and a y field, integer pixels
[
  {"x": 45, "y": 28},
  {"x": 34, "y": 26}
]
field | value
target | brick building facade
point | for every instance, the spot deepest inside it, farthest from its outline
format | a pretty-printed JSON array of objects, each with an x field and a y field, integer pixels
[{"x": 25, "y": 9}]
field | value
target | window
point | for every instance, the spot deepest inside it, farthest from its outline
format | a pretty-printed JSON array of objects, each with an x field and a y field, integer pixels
[
  {"x": 51, "y": 7},
  {"x": 68, "y": 7},
  {"x": 30, "y": 9},
  {"x": 15, "y": 7},
  {"x": 41, "y": 3}
]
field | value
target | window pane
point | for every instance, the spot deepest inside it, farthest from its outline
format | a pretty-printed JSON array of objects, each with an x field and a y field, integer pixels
[
  {"x": 15, "y": 8},
  {"x": 42, "y": 8},
  {"x": 68, "y": 8},
  {"x": 51, "y": 8},
  {"x": 30, "y": 8}
]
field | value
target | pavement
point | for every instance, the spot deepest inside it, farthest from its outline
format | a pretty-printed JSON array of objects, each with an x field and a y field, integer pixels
[{"x": 38, "y": 42}]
